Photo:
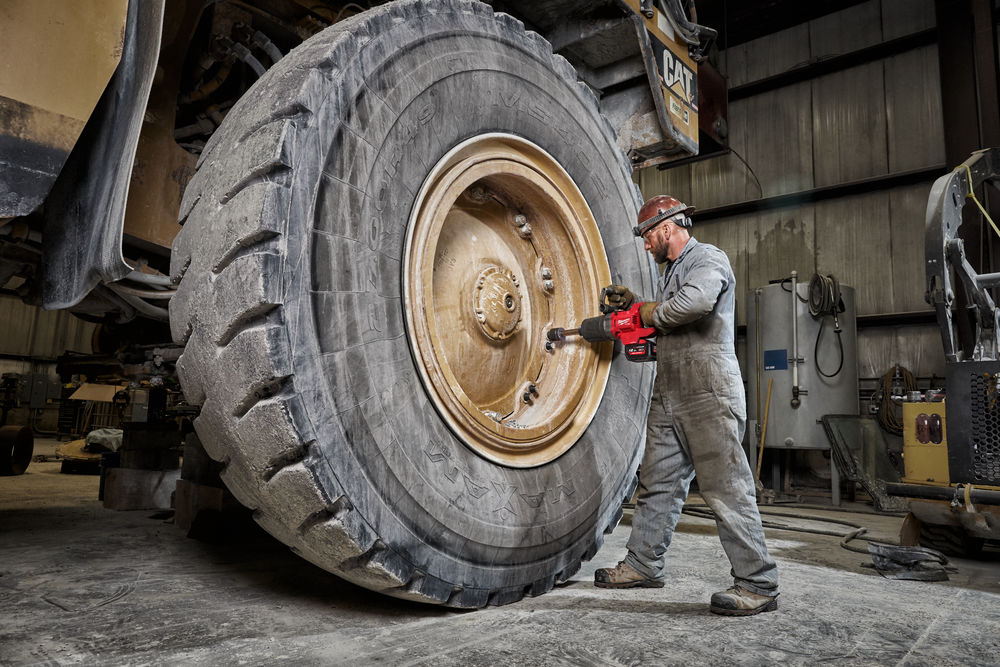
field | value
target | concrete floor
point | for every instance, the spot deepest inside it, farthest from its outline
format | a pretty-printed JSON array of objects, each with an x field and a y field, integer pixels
[{"x": 83, "y": 585}]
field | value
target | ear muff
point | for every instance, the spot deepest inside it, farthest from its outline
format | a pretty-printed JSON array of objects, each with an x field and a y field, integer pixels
[{"x": 659, "y": 208}]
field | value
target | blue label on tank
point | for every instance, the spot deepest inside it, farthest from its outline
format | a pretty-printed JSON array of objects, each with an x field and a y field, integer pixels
[{"x": 775, "y": 360}]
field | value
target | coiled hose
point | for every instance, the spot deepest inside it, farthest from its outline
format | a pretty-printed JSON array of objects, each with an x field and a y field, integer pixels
[{"x": 824, "y": 299}]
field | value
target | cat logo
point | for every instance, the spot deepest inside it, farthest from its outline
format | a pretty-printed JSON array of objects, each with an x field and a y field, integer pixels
[{"x": 679, "y": 77}]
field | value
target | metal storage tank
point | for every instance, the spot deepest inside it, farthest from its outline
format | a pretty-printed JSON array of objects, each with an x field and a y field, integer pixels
[{"x": 778, "y": 334}]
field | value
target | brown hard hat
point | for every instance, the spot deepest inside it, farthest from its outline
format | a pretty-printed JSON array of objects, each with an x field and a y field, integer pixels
[{"x": 659, "y": 208}]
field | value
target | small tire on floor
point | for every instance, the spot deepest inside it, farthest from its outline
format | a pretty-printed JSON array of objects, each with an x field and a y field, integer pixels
[{"x": 17, "y": 444}]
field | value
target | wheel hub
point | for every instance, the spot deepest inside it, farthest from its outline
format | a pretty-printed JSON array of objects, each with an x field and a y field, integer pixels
[
  {"x": 501, "y": 246},
  {"x": 497, "y": 303}
]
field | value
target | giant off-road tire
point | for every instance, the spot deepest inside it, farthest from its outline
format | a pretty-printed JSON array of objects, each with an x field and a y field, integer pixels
[{"x": 373, "y": 246}]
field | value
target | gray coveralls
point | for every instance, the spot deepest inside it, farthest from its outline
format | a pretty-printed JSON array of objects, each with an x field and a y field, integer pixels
[{"x": 696, "y": 423}]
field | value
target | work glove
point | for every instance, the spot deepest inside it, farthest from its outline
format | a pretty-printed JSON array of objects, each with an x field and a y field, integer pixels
[
  {"x": 618, "y": 297},
  {"x": 646, "y": 313}
]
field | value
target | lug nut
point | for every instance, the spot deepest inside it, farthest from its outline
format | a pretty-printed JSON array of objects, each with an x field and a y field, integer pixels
[{"x": 523, "y": 228}]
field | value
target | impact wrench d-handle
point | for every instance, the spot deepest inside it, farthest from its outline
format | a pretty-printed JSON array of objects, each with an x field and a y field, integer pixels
[{"x": 624, "y": 325}]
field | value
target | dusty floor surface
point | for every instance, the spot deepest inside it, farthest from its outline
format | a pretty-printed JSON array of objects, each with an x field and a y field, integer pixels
[{"x": 83, "y": 585}]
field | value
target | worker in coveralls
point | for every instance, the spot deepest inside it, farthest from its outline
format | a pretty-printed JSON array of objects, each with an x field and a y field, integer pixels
[{"x": 696, "y": 419}]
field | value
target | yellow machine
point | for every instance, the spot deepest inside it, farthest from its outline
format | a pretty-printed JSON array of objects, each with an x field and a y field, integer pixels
[
  {"x": 950, "y": 517},
  {"x": 952, "y": 475},
  {"x": 46, "y": 99}
]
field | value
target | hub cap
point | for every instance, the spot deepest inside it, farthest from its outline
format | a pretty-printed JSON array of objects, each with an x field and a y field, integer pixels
[{"x": 501, "y": 247}]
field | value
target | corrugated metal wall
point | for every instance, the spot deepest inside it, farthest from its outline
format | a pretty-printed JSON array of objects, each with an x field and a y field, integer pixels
[
  {"x": 876, "y": 119},
  {"x": 27, "y": 331}
]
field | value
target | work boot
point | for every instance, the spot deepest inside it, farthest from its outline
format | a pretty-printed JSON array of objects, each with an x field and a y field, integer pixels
[
  {"x": 738, "y": 601},
  {"x": 623, "y": 576}
]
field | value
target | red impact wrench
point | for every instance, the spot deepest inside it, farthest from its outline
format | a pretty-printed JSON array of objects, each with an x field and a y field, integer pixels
[{"x": 624, "y": 325}]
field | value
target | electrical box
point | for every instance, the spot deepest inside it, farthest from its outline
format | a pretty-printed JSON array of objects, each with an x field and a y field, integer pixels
[{"x": 39, "y": 389}]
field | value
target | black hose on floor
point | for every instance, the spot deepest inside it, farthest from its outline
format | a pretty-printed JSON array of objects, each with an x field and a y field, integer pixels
[
  {"x": 890, "y": 560},
  {"x": 705, "y": 512}
]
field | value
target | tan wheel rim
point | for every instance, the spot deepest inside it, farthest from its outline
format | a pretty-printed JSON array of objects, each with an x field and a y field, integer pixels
[{"x": 501, "y": 247}]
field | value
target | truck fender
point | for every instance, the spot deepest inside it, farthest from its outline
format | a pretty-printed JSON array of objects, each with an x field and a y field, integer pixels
[{"x": 85, "y": 213}]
